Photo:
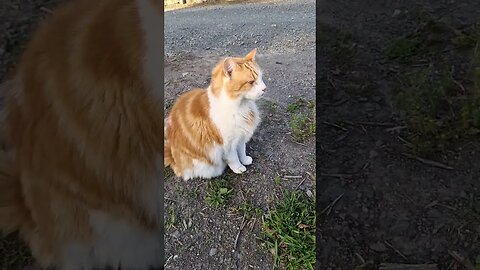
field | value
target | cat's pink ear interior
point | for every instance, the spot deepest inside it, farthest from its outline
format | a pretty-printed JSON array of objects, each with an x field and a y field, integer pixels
[
  {"x": 229, "y": 66},
  {"x": 251, "y": 55}
]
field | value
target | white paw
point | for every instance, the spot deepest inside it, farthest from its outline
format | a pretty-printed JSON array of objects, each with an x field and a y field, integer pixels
[
  {"x": 247, "y": 160},
  {"x": 238, "y": 168}
]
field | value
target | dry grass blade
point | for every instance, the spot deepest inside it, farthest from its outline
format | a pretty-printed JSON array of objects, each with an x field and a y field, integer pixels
[
  {"x": 292, "y": 176},
  {"x": 338, "y": 175},
  {"x": 334, "y": 125},
  {"x": 399, "y": 266},
  {"x": 429, "y": 162},
  {"x": 238, "y": 234},
  {"x": 462, "y": 260},
  {"x": 300, "y": 183},
  {"x": 330, "y": 206},
  {"x": 47, "y": 10},
  {"x": 396, "y": 250}
]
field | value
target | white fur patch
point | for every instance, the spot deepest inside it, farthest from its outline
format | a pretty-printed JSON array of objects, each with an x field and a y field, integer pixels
[
  {"x": 258, "y": 88},
  {"x": 116, "y": 243},
  {"x": 204, "y": 170},
  {"x": 229, "y": 117}
]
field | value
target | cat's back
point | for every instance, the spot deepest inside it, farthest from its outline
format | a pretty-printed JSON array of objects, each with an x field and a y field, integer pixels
[
  {"x": 193, "y": 104},
  {"x": 83, "y": 124}
]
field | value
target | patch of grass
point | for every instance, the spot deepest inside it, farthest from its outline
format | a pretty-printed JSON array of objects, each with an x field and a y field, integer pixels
[
  {"x": 368, "y": 265},
  {"x": 290, "y": 232},
  {"x": 344, "y": 47},
  {"x": 437, "y": 111},
  {"x": 302, "y": 122},
  {"x": 431, "y": 36},
  {"x": 403, "y": 48},
  {"x": 271, "y": 106},
  {"x": 193, "y": 193},
  {"x": 302, "y": 126},
  {"x": 168, "y": 173},
  {"x": 170, "y": 222},
  {"x": 277, "y": 180},
  {"x": 440, "y": 109},
  {"x": 247, "y": 209},
  {"x": 465, "y": 40},
  {"x": 219, "y": 193},
  {"x": 298, "y": 104}
]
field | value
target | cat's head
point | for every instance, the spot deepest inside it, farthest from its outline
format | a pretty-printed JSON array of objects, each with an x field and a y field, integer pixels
[{"x": 240, "y": 77}]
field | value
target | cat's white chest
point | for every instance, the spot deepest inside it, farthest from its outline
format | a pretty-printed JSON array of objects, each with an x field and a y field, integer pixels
[{"x": 239, "y": 122}]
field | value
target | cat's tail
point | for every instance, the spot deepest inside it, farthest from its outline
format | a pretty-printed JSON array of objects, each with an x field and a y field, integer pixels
[
  {"x": 14, "y": 214},
  {"x": 167, "y": 150}
]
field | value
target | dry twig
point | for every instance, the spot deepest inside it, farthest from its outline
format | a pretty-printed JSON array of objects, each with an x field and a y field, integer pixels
[
  {"x": 330, "y": 206},
  {"x": 400, "y": 266},
  {"x": 238, "y": 234},
  {"x": 429, "y": 162},
  {"x": 396, "y": 250},
  {"x": 464, "y": 261}
]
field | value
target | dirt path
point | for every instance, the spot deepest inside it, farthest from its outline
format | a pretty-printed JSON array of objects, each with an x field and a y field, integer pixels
[
  {"x": 195, "y": 40},
  {"x": 388, "y": 206}
]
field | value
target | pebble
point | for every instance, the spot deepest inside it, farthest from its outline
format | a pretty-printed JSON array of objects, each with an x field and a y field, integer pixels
[
  {"x": 373, "y": 154},
  {"x": 379, "y": 247},
  {"x": 176, "y": 234},
  {"x": 212, "y": 251}
]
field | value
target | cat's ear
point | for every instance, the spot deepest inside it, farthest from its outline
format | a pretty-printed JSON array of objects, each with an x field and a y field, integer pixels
[
  {"x": 251, "y": 55},
  {"x": 228, "y": 66}
]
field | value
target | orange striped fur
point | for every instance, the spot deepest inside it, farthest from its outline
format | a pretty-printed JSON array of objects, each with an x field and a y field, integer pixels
[{"x": 207, "y": 129}]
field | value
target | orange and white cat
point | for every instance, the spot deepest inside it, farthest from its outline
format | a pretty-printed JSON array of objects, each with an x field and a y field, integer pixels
[
  {"x": 82, "y": 178},
  {"x": 207, "y": 129}
]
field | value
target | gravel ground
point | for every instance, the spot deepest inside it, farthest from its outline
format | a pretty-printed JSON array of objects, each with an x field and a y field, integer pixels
[{"x": 283, "y": 32}]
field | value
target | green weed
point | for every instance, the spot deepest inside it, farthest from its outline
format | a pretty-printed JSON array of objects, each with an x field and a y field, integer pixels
[
  {"x": 290, "y": 232},
  {"x": 219, "y": 193}
]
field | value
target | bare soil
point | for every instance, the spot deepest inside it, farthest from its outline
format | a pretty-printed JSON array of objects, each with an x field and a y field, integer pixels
[{"x": 376, "y": 204}]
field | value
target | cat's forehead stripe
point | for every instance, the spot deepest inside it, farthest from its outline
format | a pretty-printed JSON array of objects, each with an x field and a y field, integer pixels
[{"x": 252, "y": 69}]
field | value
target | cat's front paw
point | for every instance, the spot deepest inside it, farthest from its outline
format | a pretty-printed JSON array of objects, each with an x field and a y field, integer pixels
[
  {"x": 247, "y": 160},
  {"x": 238, "y": 169}
]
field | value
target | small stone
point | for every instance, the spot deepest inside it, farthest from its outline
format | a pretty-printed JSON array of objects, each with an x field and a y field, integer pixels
[
  {"x": 362, "y": 99},
  {"x": 184, "y": 74},
  {"x": 373, "y": 154},
  {"x": 176, "y": 234},
  {"x": 212, "y": 251},
  {"x": 309, "y": 193},
  {"x": 396, "y": 12},
  {"x": 379, "y": 247},
  {"x": 377, "y": 99}
]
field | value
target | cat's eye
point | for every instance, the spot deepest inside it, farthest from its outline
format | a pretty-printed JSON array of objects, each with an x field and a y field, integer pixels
[{"x": 251, "y": 82}]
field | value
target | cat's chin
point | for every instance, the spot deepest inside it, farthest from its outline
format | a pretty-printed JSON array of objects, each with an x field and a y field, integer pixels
[{"x": 253, "y": 98}]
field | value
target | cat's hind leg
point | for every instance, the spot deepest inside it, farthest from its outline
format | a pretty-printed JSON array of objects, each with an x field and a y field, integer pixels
[{"x": 207, "y": 171}]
